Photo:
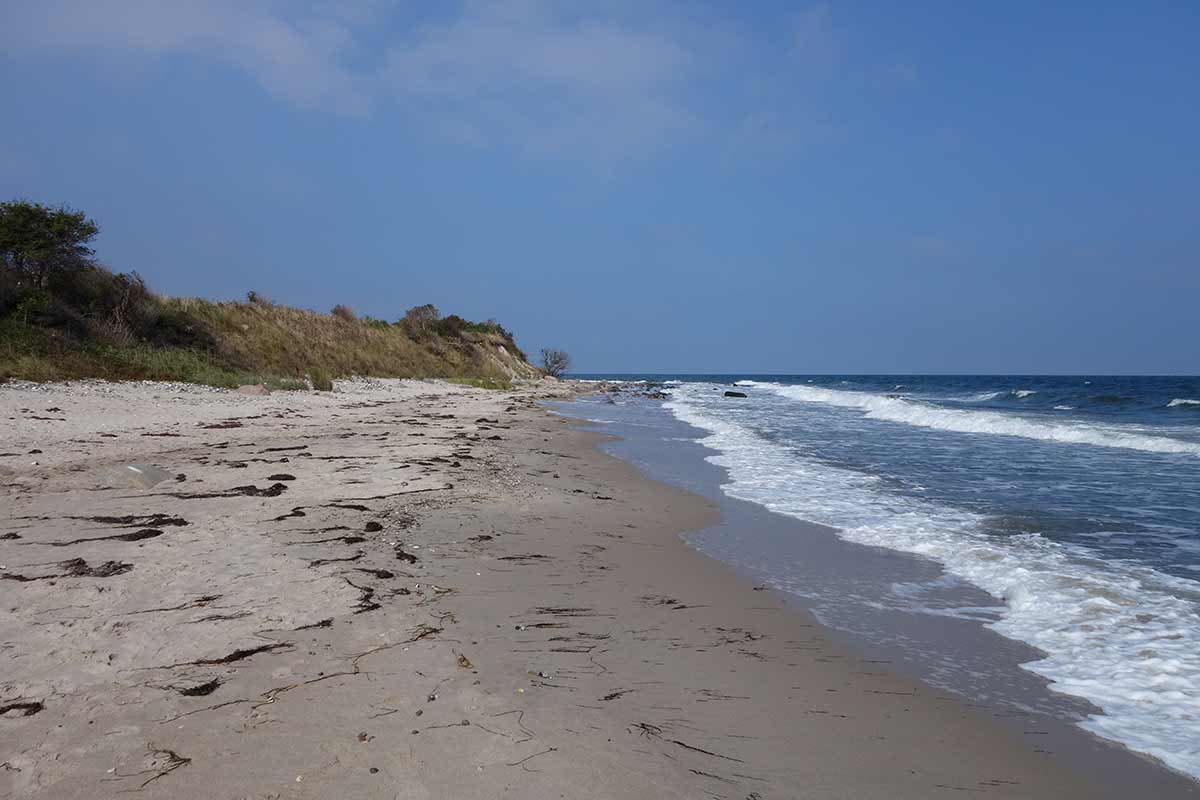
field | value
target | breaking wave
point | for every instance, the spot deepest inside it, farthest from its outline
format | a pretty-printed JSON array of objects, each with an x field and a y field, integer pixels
[
  {"x": 1124, "y": 636},
  {"x": 909, "y": 412}
]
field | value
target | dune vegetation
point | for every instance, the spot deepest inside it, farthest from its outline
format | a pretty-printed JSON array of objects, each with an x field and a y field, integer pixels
[{"x": 64, "y": 316}]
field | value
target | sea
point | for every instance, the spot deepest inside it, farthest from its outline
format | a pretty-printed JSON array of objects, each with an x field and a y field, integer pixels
[{"x": 1056, "y": 514}]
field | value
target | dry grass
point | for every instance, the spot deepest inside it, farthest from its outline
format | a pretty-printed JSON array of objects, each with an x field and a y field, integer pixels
[{"x": 261, "y": 342}]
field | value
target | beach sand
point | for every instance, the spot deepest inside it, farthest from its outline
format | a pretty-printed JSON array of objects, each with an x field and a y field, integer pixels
[{"x": 417, "y": 590}]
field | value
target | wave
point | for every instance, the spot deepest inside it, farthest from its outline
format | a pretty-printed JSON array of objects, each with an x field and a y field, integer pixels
[
  {"x": 1180, "y": 402},
  {"x": 1064, "y": 408},
  {"x": 895, "y": 409},
  {"x": 1021, "y": 394},
  {"x": 1122, "y": 636}
]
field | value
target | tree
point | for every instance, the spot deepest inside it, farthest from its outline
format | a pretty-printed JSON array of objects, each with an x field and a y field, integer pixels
[
  {"x": 420, "y": 320},
  {"x": 37, "y": 242},
  {"x": 555, "y": 363}
]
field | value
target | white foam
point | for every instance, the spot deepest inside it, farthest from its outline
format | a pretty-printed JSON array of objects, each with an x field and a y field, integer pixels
[
  {"x": 1183, "y": 401},
  {"x": 1064, "y": 408},
  {"x": 1124, "y": 637},
  {"x": 909, "y": 412},
  {"x": 1023, "y": 393}
]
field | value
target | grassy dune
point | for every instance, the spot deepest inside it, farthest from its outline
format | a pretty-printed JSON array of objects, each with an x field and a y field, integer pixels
[{"x": 227, "y": 344}]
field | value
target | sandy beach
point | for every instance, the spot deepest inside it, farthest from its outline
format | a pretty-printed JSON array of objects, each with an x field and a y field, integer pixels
[{"x": 418, "y": 590}]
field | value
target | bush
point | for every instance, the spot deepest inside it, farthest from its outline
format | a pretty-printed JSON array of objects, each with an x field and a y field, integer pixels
[
  {"x": 254, "y": 298},
  {"x": 419, "y": 321},
  {"x": 555, "y": 363},
  {"x": 320, "y": 379},
  {"x": 452, "y": 326},
  {"x": 343, "y": 312},
  {"x": 378, "y": 324}
]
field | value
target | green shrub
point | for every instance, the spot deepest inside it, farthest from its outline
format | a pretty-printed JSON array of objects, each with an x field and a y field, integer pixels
[
  {"x": 320, "y": 379},
  {"x": 483, "y": 383}
]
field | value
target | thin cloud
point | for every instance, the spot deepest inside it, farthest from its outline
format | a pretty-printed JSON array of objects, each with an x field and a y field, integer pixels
[
  {"x": 600, "y": 84},
  {"x": 534, "y": 76},
  {"x": 548, "y": 82},
  {"x": 299, "y": 59}
]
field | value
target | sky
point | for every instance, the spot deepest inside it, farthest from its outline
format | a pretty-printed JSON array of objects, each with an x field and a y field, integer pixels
[{"x": 760, "y": 187}]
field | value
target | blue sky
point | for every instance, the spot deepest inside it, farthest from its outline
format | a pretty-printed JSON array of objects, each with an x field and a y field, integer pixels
[{"x": 700, "y": 186}]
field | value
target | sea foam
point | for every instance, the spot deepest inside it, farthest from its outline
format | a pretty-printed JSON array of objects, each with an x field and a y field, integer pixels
[
  {"x": 1120, "y": 635},
  {"x": 1182, "y": 401},
  {"x": 909, "y": 412}
]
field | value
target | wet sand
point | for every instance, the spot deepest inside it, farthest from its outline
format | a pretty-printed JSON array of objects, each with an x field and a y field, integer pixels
[{"x": 412, "y": 590}]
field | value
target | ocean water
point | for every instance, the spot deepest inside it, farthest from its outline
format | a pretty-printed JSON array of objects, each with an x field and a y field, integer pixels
[{"x": 1074, "y": 502}]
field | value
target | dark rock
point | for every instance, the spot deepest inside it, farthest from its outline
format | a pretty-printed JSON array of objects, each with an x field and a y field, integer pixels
[{"x": 735, "y": 394}]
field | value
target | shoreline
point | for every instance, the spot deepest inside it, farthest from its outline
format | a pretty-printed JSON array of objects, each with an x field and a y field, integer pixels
[
  {"x": 528, "y": 619},
  {"x": 958, "y": 655}
]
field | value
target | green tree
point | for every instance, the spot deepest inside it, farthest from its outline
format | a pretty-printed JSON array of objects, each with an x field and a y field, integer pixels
[{"x": 38, "y": 241}]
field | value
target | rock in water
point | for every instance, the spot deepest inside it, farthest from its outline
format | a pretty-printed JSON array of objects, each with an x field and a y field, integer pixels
[
  {"x": 253, "y": 388},
  {"x": 735, "y": 394}
]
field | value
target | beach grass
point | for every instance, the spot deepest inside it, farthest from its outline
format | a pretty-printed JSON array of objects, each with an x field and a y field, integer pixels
[
  {"x": 484, "y": 383},
  {"x": 227, "y": 344}
]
